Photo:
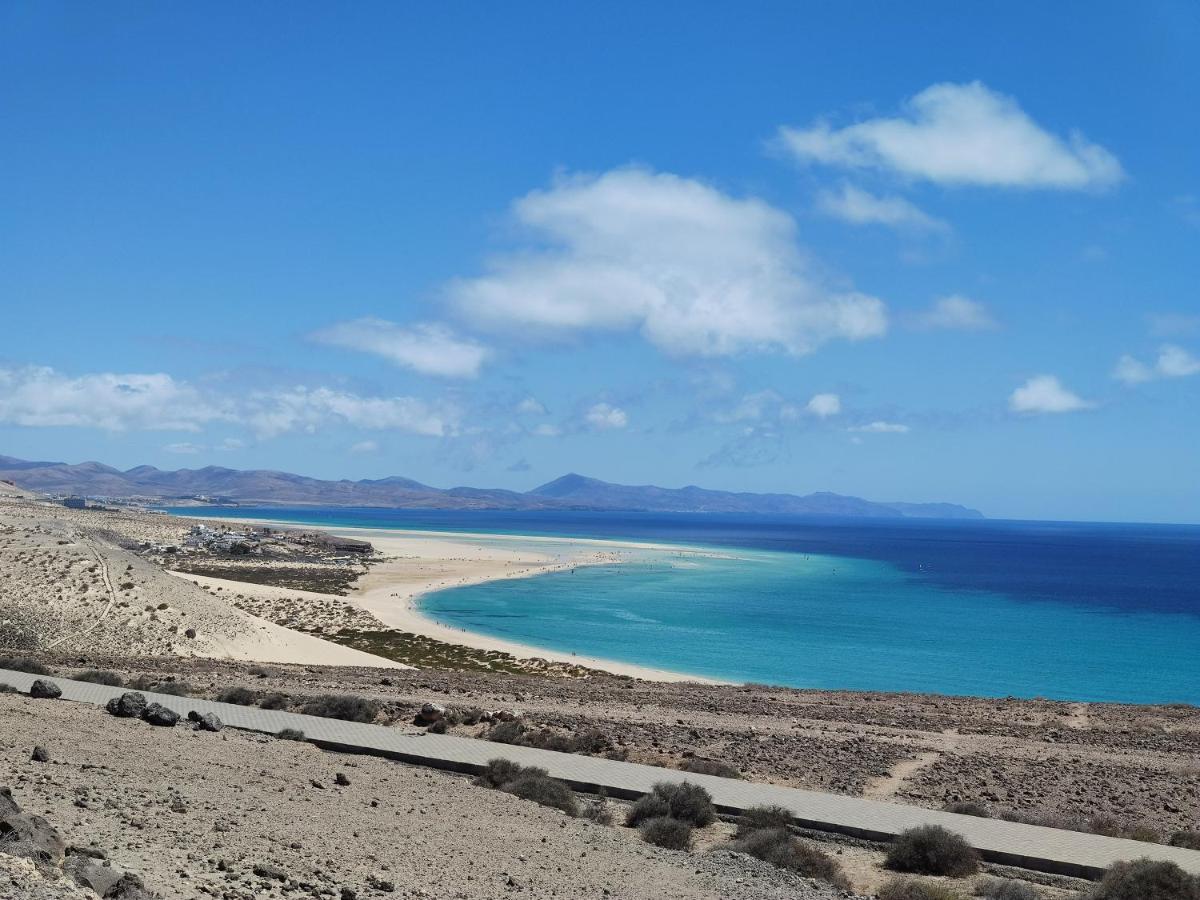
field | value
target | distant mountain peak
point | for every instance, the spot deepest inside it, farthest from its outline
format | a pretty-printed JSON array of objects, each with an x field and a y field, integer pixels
[{"x": 570, "y": 491}]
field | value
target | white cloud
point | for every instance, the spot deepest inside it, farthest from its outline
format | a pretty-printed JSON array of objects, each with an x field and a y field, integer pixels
[
  {"x": 824, "y": 405},
  {"x": 751, "y": 407},
  {"x": 531, "y": 406},
  {"x": 547, "y": 430},
  {"x": 307, "y": 409},
  {"x": 230, "y": 444},
  {"x": 880, "y": 427},
  {"x": 1132, "y": 371},
  {"x": 1173, "y": 362},
  {"x": 696, "y": 271},
  {"x": 955, "y": 313},
  {"x": 183, "y": 447},
  {"x": 365, "y": 447},
  {"x": 858, "y": 207},
  {"x": 38, "y": 396},
  {"x": 41, "y": 396},
  {"x": 1045, "y": 394},
  {"x": 428, "y": 348},
  {"x": 603, "y": 416},
  {"x": 960, "y": 134}
]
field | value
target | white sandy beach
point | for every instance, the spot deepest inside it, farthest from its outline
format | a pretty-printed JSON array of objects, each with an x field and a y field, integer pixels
[{"x": 420, "y": 562}]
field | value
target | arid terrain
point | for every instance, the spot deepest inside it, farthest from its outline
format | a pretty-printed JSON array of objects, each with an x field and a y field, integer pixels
[{"x": 193, "y": 813}]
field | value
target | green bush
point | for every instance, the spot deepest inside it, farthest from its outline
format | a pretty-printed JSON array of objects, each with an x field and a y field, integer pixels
[
  {"x": 24, "y": 664},
  {"x": 757, "y": 818},
  {"x": 649, "y": 806},
  {"x": 778, "y": 847},
  {"x": 932, "y": 850},
  {"x": 242, "y": 696},
  {"x": 498, "y": 772},
  {"x": 911, "y": 889},
  {"x": 96, "y": 676},
  {"x": 663, "y": 831},
  {"x": 273, "y": 701},
  {"x": 507, "y": 732},
  {"x": 339, "y": 706},
  {"x": 1146, "y": 879}
]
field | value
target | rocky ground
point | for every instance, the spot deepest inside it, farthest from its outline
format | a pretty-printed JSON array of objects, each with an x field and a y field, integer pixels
[{"x": 240, "y": 817}]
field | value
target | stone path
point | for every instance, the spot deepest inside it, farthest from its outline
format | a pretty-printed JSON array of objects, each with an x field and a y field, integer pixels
[{"x": 1011, "y": 843}]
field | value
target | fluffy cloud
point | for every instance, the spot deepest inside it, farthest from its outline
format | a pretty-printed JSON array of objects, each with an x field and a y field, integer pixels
[
  {"x": 365, "y": 447},
  {"x": 603, "y": 416},
  {"x": 531, "y": 406},
  {"x": 881, "y": 427},
  {"x": 40, "y": 396},
  {"x": 824, "y": 405},
  {"x": 1173, "y": 362},
  {"x": 696, "y": 271},
  {"x": 1045, "y": 394},
  {"x": 858, "y": 207},
  {"x": 955, "y": 313},
  {"x": 959, "y": 134},
  {"x": 428, "y": 348}
]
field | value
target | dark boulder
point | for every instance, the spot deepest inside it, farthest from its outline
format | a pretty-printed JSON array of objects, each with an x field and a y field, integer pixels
[
  {"x": 129, "y": 705},
  {"x": 28, "y": 835},
  {"x": 209, "y": 722},
  {"x": 39, "y": 754},
  {"x": 157, "y": 714},
  {"x": 44, "y": 690}
]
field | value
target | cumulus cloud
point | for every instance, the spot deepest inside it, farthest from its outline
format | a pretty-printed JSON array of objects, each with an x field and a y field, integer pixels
[
  {"x": 604, "y": 416},
  {"x": 1173, "y": 362},
  {"x": 858, "y": 207},
  {"x": 1045, "y": 394},
  {"x": 428, "y": 348},
  {"x": 694, "y": 270},
  {"x": 824, "y": 405},
  {"x": 881, "y": 427},
  {"x": 531, "y": 406},
  {"x": 41, "y": 397},
  {"x": 959, "y": 134},
  {"x": 955, "y": 313}
]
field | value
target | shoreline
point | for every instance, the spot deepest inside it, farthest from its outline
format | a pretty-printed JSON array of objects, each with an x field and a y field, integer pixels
[{"x": 418, "y": 563}]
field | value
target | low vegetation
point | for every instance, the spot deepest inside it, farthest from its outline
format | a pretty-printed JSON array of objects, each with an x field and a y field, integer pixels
[
  {"x": 758, "y": 818},
  {"x": 1146, "y": 879},
  {"x": 529, "y": 783},
  {"x": 1189, "y": 840},
  {"x": 663, "y": 831},
  {"x": 273, "y": 701},
  {"x": 968, "y": 808},
  {"x": 912, "y": 889},
  {"x": 1005, "y": 889},
  {"x": 686, "y": 802},
  {"x": 342, "y": 706},
  {"x": 932, "y": 850},
  {"x": 779, "y": 847},
  {"x": 290, "y": 734},
  {"x": 589, "y": 741},
  {"x": 24, "y": 664},
  {"x": 241, "y": 696},
  {"x": 96, "y": 676},
  {"x": 710, "y": 767}
]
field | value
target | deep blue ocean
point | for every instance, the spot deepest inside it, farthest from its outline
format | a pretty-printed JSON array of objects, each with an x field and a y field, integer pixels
[{"x": 994, "y": 608}]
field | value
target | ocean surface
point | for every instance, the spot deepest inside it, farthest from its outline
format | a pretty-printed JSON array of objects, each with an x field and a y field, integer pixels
[{"x": 1079, "y": 611}]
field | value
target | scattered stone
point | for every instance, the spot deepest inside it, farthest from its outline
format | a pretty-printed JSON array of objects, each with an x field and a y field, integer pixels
[
  {"x": 209, "y": 722},
  {"x": 271, "y": 871},
  {"x": 316, "y": 784},
  {"x": 349, "y": 894},
  {"x": 42, "y": 689},
  {"x": 28, "y": 835},
  {"x": 381, "y": 884},
  {"x": 39, "y": 754},
  {"x": 341, "y": 780},
  {"x": 432, "y": 712},
  {"x": 157, "y": 714},
  {"x": 190, "y": 633},
  {"x": 129, "y": 705}
]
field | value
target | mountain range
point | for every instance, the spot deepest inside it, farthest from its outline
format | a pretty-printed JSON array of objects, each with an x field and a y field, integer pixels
[{"x": 93, "y": 479}]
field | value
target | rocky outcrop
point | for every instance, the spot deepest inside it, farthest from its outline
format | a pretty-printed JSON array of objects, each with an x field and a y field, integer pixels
[{"x": 43, "y": 689}]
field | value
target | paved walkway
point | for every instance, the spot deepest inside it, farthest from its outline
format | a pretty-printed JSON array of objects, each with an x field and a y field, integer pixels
[{"x": 1028, "y": 846}]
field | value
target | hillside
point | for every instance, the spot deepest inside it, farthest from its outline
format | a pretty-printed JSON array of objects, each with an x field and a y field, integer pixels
[{"x": 568, "y": 492}]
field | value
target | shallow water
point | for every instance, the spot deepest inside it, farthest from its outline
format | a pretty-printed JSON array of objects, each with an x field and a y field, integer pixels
[{"x": 1060, "y": 610}]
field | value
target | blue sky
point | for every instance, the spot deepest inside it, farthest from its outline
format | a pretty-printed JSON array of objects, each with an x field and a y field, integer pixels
[{"x": 905, "y": 251}]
